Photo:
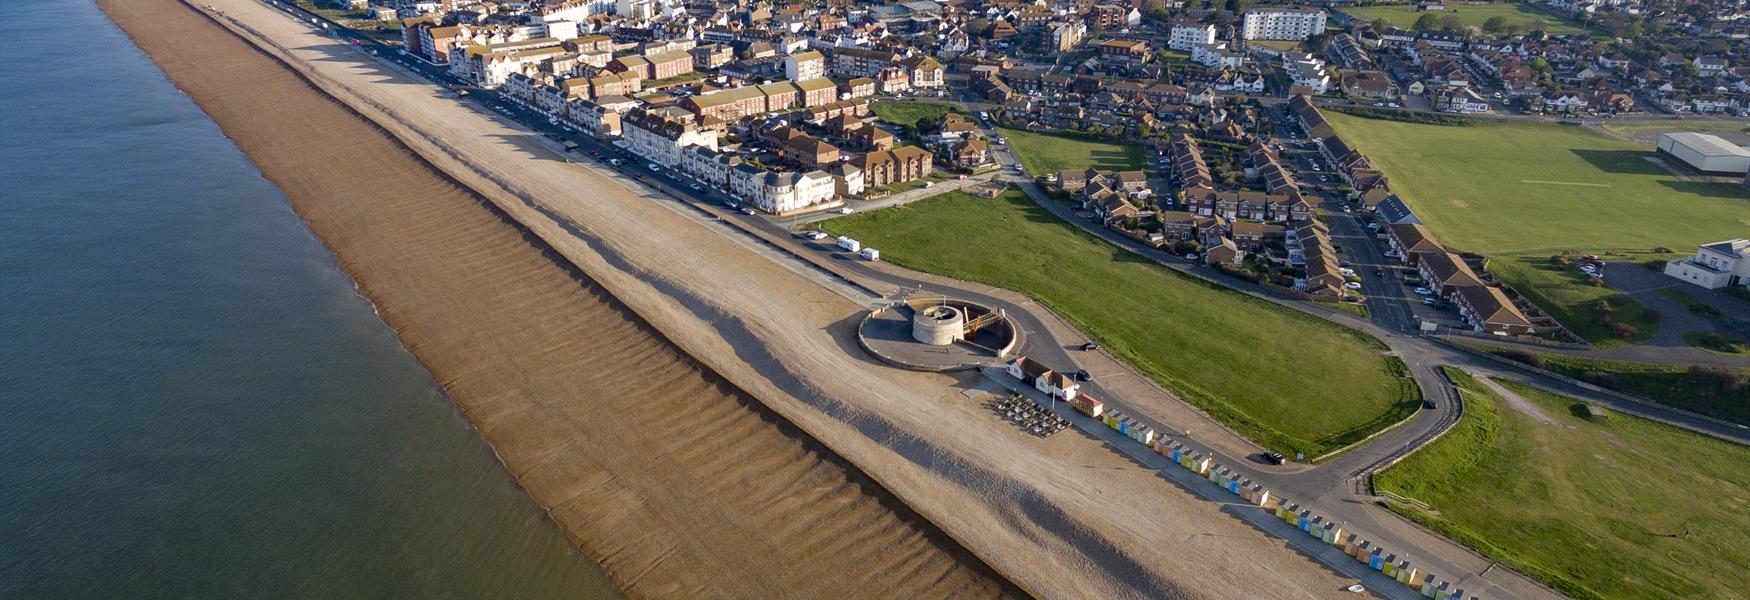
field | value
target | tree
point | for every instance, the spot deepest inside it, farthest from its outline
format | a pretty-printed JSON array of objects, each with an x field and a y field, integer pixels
[
  {"x": 1317, "y": 44},
  {"x": 1635, "y": 29},
  {"x": 1451, "y": 22},
  {"x": 1381, "y": 24},
  {"x": 1426, "y": 22},
  {"x": 1193, "y": 4},
  {"x": 925, "y": 124},
  {"x": 1495, "y": 24}
]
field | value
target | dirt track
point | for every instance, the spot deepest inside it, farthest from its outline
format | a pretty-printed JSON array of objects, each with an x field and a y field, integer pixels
[
  {"x": 640, "y": 454},
  {"x": 514, "y": 332}
]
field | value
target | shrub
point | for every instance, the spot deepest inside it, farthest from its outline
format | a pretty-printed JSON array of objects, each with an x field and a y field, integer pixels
[
  {"x": 1524, "y": 356},
  {"x": 1662, "y": 250},
  {"x": 1656, "y": 265},
  {"x": 1653, "y": 316},
  {"x": 1603, "y": 307},
  {"x": 1730, "y": 381},
  {"x": 1623, "y": 330},
  {"x": 1600, "y": 379},
  {"x": 1561, "y": 260}
]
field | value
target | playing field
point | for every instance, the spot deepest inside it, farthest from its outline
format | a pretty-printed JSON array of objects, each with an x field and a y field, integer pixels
[
  {"x": 905, "y": 112},
  {"x": 1286, "y": 380},
  {"x": 1497, "y": 187},
  {"x": 1044, "y": 153},
  {"x": 1607, "y": 506},
  {"x": 1528, "y": 18}
]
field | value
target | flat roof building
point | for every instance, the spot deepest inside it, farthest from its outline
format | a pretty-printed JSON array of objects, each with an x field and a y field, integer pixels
[{"x": 1707, "y": 153}]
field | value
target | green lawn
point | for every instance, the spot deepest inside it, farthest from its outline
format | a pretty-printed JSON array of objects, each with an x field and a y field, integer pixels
[
  {"x": 1289, "y": 381},
  {"x": 1718, "y": 392},
  {"x": 1607, "y": 506},
  {"x": 1044, "y": 153},
  {"x": 905, "y": 112},
  {"x": 1519, "y": 192},
  {"x": 1528, "y": 18}
]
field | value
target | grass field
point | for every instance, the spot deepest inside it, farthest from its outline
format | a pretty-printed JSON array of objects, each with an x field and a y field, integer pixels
[
  {"x": 1528, "y": 18},
  {"x": 1286, "y": 380},
  {"x": 1520, "y": 192},
  {"x": 1717, "y": 392},
  {"x": 906, "y": 112},
  {"x": 1045, "y": 153},
  {"x": 1597, "y": 506}
]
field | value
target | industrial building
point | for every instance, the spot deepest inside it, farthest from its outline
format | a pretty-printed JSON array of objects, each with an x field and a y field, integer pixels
[{"x": 1709, "y": 154}]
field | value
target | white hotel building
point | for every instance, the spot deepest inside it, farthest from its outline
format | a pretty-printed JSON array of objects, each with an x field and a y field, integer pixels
[{"x": 1288, "y": 24}]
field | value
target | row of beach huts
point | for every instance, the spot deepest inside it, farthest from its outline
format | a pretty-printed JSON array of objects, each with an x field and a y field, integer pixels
[{"x": 1375, "y": 557}]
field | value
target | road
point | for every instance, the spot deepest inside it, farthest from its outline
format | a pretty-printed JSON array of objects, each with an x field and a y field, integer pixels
[{"x": 1335, "y": 487}]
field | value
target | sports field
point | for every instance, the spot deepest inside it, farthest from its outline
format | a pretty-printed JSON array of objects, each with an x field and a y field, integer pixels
[
  {"x": 1287, "y": 380},
  {"x": 1521, "y": 192},
  {"x": 1499, "y": 187},
  {"x": 1597, "y": 506},
  {"x": 1044, "y": 153},
  {"x": 1528, "y": 18}
]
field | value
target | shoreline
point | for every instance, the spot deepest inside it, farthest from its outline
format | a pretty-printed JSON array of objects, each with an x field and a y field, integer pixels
[
  {"x": 637, "y": 555},
  {"x": 1065, "y": 518}
]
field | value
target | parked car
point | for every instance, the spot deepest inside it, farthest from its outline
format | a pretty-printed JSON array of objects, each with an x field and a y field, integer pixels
[
  {"x": 847, "y": 210},
  {"x": 697, "y": 188},
  {"x": 748, "y": 211},
  {"x": 1422, "y": 291},
  {"x": 1379, "y": 272},
  {"x": 1090, "y": 346},
  {"x": 1084, "y": 375},
  {"x": 655, "y": 167},
  {"x": 1275, "y": 458},
  {"x": 1353, "y": 285},
  {"x": 1431, "y": 301}
]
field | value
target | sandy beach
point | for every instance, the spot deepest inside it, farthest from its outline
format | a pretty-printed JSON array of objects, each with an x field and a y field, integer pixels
[
  {"x": 681, "y": 485},
  {"x": 690, "y": 412}
]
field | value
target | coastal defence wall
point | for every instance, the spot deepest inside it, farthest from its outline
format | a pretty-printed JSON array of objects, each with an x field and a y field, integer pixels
[{"x": 677, "y": 482}]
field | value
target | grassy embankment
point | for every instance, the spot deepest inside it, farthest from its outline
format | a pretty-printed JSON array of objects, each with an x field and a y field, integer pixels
[
  {"x": 1528, "y": 17},
  {"x": 1607, "y": 506},
  {"x": 1286, "y": 380},
  {"x": 1523, "y": 192},
  {"x": 1043, "y": 153},
  {"x": 908, "y": 112},
  {"x": 1718, "y": 392}
]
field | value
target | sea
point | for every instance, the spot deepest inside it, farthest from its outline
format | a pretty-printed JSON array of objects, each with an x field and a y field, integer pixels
[{"x": 194, "y": 400}]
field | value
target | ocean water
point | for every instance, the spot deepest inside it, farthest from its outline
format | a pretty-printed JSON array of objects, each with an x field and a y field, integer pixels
[{"x": 194, "y": 402}]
